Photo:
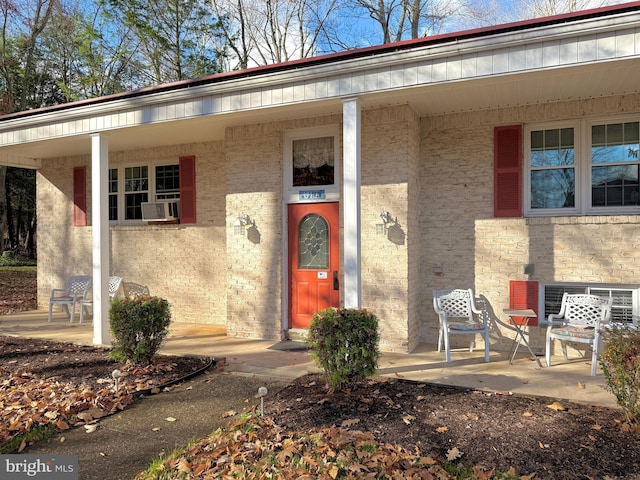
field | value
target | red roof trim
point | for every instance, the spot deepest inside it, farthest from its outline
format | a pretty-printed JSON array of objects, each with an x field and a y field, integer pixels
[{"x": 346, "y": 55}]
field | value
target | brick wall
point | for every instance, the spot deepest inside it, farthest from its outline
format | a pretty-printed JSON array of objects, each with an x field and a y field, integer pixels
[
  {"x": 255, "y": 260},
  {"x": 474, "y": 250},
  {"x": 434, "y": 174},
  {"x": 389, "y": 180},
  {"x": 183, "y": 263}
]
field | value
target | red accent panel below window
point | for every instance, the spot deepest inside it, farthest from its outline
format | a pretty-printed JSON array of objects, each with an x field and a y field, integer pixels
[{"x": 523, "y": 294}]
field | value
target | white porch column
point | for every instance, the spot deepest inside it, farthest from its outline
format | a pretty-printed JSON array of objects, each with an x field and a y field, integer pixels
[
  {"x": 100, "y": 244},
  {"x": 351, "y": 132}
]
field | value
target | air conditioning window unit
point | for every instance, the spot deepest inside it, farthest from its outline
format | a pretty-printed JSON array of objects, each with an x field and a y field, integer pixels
[{"x": 161, "y": 211}]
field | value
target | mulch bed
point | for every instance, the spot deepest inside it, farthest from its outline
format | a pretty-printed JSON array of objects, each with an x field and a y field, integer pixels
[{"x": 527, "y": 435}]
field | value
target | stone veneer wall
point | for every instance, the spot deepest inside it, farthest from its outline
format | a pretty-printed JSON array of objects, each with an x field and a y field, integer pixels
[
  {"x": 183, "y": 263},
  {"x": 474, "y": 250}
]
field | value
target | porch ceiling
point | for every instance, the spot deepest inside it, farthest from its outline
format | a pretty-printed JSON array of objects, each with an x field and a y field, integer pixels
[{"x": 544, "y": 86}]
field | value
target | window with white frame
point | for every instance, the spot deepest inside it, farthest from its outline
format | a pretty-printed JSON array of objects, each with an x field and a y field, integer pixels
[
  {"x": 113, "y": 194},
  {"x": 138, "y": 186},
  {"x": 136, "y": 191},
  {"x": 167, "y": 182},
  {"x": 312, "y": 164},
  {"x": 583, "y": 167}
]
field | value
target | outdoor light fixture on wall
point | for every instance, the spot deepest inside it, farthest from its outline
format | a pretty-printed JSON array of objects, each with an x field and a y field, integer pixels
[
  {"x": 241, "y": 222},
  {"x": 387, "y": 220},
  {"x": 390, "y": 228},
  {"x": 244, "y": 225}
]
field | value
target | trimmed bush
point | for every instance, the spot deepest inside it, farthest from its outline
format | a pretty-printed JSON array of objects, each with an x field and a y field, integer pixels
[
  {"x": 139, "y": 326},
  {"x": 620, "y": 361},
  {"x": 344, "y": 344}
]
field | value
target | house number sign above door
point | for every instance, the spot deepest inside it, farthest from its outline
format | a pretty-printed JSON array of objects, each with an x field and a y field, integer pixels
[{"x": 311, "y": 195}]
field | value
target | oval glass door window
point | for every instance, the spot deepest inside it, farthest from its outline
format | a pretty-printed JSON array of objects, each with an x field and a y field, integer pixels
[{"x": 313, "y": 243}]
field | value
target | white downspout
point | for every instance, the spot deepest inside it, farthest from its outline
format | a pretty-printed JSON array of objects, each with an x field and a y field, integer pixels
[
  {"x": 351, "y": 133},
  {"x": 100, "y": 238}
]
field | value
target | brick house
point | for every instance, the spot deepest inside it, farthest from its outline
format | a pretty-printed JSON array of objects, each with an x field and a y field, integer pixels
[{"x": 497, "y": 159}]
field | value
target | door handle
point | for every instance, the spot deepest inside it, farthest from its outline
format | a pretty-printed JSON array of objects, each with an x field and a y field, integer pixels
[{"x": 336, "y": 282}]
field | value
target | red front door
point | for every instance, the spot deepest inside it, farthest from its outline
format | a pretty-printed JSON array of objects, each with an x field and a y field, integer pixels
[{"x": 314, "y": 260}]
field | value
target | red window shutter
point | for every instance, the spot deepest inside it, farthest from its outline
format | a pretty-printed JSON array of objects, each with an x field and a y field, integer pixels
[
  {"x": 507, "y": 171},
  {"x": 80, "y": 196},
  {"x": 523, "y": 294},
  {"x": 188, "y": 189}
]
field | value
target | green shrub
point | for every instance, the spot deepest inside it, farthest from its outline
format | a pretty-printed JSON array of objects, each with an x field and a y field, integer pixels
[
  {"x": 10, "y": 259},
  {"x": 620, "y": 361},
  {"x": 139, "y": 325},
  {"x": 344, "y": 344}
]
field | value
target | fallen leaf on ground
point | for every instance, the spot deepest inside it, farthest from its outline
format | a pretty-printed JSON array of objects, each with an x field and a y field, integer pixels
[
  {"x": 442, "y": 429},
  {"x": 527, "y": 414},
  {"x": 229, "y": 413},
  {"x": 170, "y": 419},
  {"x": 350, "y": 422},
  {"x": 91, "y": 428},
  {"x": 408, "y": 419},
  {"x": 453, "y": 454},
  {"x": 482, "y": 474},
  {"x": 557, "y": 406}
]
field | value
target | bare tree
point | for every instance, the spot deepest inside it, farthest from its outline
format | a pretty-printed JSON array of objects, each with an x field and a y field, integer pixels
[
  {"x": 272, "y": 31},
  {"x": 404, "y": 19},
  {"x": 545, "y": 8}
]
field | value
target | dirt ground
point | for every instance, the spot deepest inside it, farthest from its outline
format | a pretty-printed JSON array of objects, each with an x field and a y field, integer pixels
[
  {"x": 17, "y": 290},
  {"x": 531, "y": 435}
]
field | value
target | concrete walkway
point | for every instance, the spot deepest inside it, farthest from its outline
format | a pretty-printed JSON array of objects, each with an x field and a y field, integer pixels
[{"x": 287, "y": 360}]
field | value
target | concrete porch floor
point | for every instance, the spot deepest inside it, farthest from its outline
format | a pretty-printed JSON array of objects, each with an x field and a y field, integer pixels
[{"x": 564, "y": 380}]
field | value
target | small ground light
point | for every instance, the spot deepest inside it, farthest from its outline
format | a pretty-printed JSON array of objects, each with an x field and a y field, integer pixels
[
  {"x": 262, "y": 391},
  {"x": 116, "y": 374}
]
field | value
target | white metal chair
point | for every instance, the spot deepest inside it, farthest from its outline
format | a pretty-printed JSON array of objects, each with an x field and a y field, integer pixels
[
  {"x": 114, "y": 287},
  {"x": 459, "y": 304},
  {"x": 76, "y": 289},
  {"x": 580, "y": 320},
  {"x": 132, "y": 289}
]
